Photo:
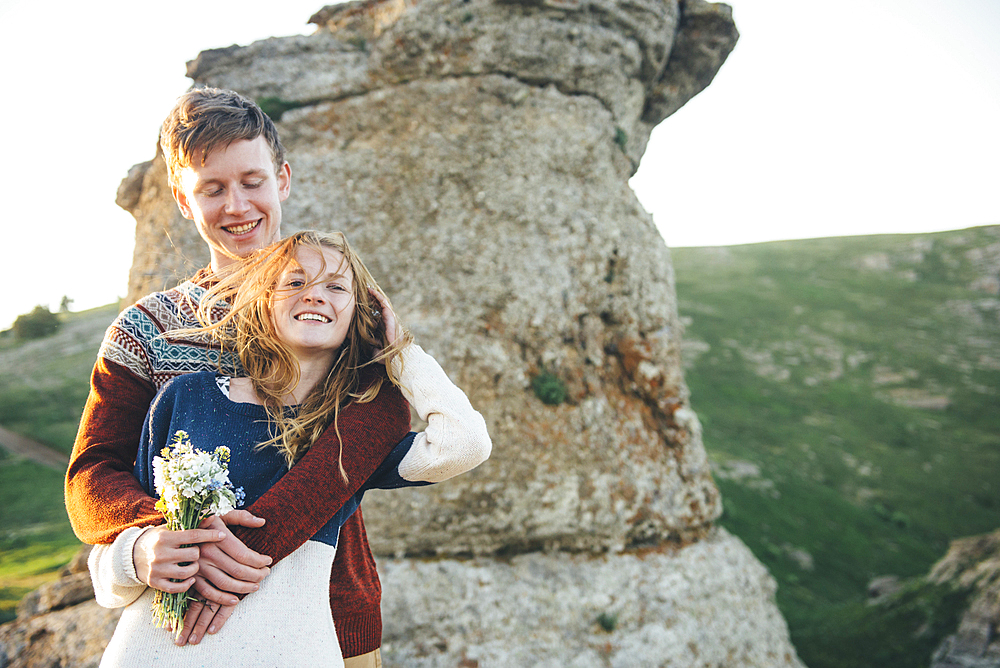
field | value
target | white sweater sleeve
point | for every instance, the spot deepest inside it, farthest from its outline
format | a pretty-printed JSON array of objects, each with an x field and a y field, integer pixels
[
  {"x": 113, "y": 572},
  {"x": 456, "y": 439}
]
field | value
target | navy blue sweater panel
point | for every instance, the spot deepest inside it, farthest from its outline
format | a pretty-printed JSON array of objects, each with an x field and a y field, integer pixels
[{"x": 193, "y": 403}]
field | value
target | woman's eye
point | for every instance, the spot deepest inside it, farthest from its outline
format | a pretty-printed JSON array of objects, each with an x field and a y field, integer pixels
[{"x": 296, "y": 283}]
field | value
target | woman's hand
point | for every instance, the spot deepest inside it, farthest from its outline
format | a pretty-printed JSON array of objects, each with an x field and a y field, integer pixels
[
  {"x": 168, "y": 560},
  {"x": 393, "y": 330}
]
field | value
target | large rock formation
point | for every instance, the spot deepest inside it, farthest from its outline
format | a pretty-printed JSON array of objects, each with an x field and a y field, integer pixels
[{"x": 477, "y": 153}]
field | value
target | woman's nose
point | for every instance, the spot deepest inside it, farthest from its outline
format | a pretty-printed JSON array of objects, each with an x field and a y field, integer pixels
[{"x": 313, "y": 294}]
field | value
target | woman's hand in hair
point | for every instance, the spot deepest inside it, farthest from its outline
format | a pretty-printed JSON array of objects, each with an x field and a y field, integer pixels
[{"x": 393, "y": 330}]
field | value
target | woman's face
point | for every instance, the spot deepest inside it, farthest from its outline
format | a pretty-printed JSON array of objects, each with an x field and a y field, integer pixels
[{"x": 314, "y": 321}]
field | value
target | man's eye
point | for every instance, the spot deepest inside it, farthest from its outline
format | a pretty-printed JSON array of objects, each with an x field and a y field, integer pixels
[{"x": 254, "y": 184}]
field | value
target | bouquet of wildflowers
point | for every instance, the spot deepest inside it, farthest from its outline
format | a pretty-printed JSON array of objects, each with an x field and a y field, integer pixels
[{"x": 192, "y": 485}]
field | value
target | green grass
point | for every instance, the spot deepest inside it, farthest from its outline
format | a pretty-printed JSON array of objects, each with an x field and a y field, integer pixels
[
  {"x": 902, "y": 632},
  {"x": 813, "y": 350},
  {"x": 35, "y": 536}
]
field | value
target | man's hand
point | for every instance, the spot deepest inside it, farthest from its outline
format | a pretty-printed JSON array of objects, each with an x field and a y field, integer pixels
[
  {"x": 228, "y": 566},
  {"x": 168, "y": 560},
  {"x": 234, "y": 568}
]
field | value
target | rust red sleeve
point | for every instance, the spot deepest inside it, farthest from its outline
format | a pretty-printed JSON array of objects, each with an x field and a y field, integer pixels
[
  {"x": 103, "y": 497},
  {"x": 305, "y": 498}
]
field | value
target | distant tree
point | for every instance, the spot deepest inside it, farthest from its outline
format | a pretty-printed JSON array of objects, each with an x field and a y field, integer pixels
[
  {"x": 65, "y": 304},
  {"x": 39, "y": 323}
]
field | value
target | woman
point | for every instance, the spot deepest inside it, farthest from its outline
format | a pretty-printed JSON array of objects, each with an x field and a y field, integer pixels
[{"x": 305, "y": 321}]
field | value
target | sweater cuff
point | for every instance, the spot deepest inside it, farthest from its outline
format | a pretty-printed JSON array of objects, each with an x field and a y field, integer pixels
[
  {"x": 112, "y": 570},
  {"x": 359, "y": 633},
  {"x": 125, "y": 569}
]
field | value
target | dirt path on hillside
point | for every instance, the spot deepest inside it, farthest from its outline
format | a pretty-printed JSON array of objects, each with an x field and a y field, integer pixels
[{"x": 33, "y": 450}]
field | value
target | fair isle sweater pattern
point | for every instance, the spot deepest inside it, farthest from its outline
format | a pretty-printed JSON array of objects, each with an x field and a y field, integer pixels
[{"x": 140, "y": 338}]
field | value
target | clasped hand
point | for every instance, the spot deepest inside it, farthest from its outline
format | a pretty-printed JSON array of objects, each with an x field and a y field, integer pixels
[{"x": 211, "y": 559}]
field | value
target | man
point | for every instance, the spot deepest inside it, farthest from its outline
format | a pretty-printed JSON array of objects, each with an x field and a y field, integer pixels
[{"x": 228, "y": 174}]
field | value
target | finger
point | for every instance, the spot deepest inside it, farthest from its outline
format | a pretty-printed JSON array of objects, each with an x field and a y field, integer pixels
[
  {"x": 213, "y": 522},
  {"x": 217, "y": 557},
  {"x": 243, "y": 518},
  {"x": 221, "y": 580},
  {"x": 193, "y": 613},
  {"x": 175, "y": 572},
  {"x": 207, "y": 591},
  {"x": 198, "y": 536},
  {"x": 164, "y": 556},
  {"x": 235, "y": 548},
  {"x": 224, "y": 613},
  {"x": 170, "y": 586},
  {"x": 201, "y": 623}
]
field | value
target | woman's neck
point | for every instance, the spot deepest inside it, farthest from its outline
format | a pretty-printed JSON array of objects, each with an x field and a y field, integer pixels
[{"x": 311, "y": 372}]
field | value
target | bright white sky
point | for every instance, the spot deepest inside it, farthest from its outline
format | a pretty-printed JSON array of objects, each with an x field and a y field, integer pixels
[{"x": 832, "y": 118}]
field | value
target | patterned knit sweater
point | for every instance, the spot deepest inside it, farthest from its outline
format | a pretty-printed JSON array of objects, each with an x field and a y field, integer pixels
[{"x": 103, "y": 497}]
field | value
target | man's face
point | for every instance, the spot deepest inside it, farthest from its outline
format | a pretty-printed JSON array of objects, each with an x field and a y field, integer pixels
[{"x": 234, "y": 198}]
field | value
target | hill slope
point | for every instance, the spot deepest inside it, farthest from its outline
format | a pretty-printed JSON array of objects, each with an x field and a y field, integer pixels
[
  {"x": 43, "y": 386},
  {"x": 848, "y": 390}
]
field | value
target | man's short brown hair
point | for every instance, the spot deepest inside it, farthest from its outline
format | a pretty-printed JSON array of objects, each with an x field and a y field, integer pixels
[{"x": 205, "y": 119}]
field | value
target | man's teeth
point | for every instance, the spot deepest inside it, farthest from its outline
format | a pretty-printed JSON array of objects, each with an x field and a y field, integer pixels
[
  {"x": 242, "y": 229},
  {"x": 312, "y": 316}
]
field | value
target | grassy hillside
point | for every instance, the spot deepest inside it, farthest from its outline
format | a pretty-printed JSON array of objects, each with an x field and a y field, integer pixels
[
  {"x": 43, "y": 386},
  {"x": 849, "y": 392}
]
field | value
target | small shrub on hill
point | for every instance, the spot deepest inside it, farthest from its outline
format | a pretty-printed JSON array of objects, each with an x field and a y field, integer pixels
[{"x": 41, "y": 322}]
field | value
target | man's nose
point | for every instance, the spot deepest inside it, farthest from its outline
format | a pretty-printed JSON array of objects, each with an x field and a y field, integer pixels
[{"x": 236, "y": 202}]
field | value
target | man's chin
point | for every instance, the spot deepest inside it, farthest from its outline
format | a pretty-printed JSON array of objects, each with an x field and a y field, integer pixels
[{"x": 251, "y": 242}]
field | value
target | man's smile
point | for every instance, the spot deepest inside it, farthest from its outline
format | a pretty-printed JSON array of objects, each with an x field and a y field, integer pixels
[{"x": 242, "y": 228}]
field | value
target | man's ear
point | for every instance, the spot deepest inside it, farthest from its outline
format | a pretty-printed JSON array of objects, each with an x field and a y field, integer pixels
[
  {"x": 284, "y": 177},
  {"x": 182, "y": 202}
]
